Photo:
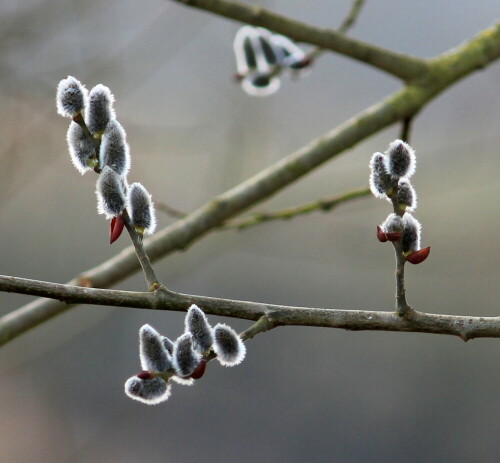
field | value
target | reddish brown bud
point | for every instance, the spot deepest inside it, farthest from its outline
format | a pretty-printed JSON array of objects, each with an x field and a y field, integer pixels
[
  {"x": 418, "y": 256},
  {"x": 116, "y": 228},
  {"x": 199, "y": 371},
  {"x": 303, "y": 63},
  {"x": 144, "y": 375},
  {"x": 78, "y": 118},
  {"x": 381, "y": 235},
  {"x": 393, "y": 236}
]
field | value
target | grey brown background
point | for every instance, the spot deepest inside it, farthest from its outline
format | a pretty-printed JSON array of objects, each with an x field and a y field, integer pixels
[{"x": 303, "y": 394}]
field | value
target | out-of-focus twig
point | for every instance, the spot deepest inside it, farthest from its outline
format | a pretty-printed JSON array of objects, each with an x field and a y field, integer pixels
[
  {"x": 352, "y": 16},
  {"x": 406, "y": 125},
  {"x": 324, "y": 204},
  {"x": 169, "y": 210},
  {"x": 346, "y": 24}
]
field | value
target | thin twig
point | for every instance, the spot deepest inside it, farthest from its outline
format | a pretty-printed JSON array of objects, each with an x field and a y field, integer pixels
[
  {"x": 351, "y": 17},
  {"x": 344, "y": 27},
  {"x": 325, "y": 205},
  {"x": 263, "y": 324},
  {"x": 149, "y": 273},
  {"x": 322, "y": 204},
  {"x": 400, "y": 65},
  {"x": 406, "y": 126},
  {"x": 402, "y": 306},
  {"x": 268, "y": 315}
]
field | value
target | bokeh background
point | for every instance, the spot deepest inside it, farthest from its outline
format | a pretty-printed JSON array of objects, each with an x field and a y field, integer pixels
[{"x": 303, "y": 394}]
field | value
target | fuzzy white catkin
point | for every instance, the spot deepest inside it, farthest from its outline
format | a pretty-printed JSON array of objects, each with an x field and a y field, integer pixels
[
  {"x": 380, "y": 180},
  {"x": 168, "y": 344},
  {"x": 140, "y": 208},
  {"x": 185, "y": 358},
  {"x": 115, "y": 151},
  {"x": 265, "y": 36},
  {"x": 182, "y": 381},
  {"x": 80, "y": 146},
  {"x": 288, "y": 53},
  {"x": 71, "y": 97},
  {"x": 197, "y": 324},
  {"x": 100, "y": 109},
  {"x": 152, "y": 352},
  {"x": 149, "y": 391},
  {"x": 111, "y": 194},
  {"x": 228, "y": 346},
  {"x": 411, "y": 233},
  {"x": 407, "y": 195},
  {"x": 400, "y": 160},
  {"x": 252, "y": 64},
  {"x": 243, "y": 50},
  {"x": 393, "y": 223}
]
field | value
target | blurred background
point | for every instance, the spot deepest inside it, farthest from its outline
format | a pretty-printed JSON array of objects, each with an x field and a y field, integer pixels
[{"x": 302, "y": 394}]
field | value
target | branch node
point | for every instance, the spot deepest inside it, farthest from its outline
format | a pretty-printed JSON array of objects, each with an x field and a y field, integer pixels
[
  {"x": 84, "y": 282},
  {"x": 263, "y": 324}
]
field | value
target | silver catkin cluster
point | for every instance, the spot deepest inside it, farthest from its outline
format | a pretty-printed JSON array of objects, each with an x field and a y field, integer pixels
[
  {"x": 97, "y": 141},
  {"x": 390, "y": 174},
  {"x": 261, "y": 56},
  {"x": 164, "y": 361}
]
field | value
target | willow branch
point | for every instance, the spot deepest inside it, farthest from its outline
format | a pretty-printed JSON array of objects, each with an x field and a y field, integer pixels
[
  {"x": 443, "y": 72},
  {"x": 400, "y": 65},
  {"x": 268, "y": 316},
  {"x": 324, "y": 205}
]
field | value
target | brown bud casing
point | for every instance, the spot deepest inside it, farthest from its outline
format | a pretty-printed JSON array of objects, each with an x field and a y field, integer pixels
[
  {"x": 381, "y": 235},
  {"x": 418, "y": 256},
  {"x": 144, "y": 375},
  {"x": 393, "y": 236},
  {"x": 115, "y": 228},
  {"x": 199, "y": 371}
]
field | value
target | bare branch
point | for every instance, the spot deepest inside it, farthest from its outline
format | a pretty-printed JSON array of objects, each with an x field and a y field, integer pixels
[
  {"x": 403, "y": 66},
  {"x": 268, "y": 316}
]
